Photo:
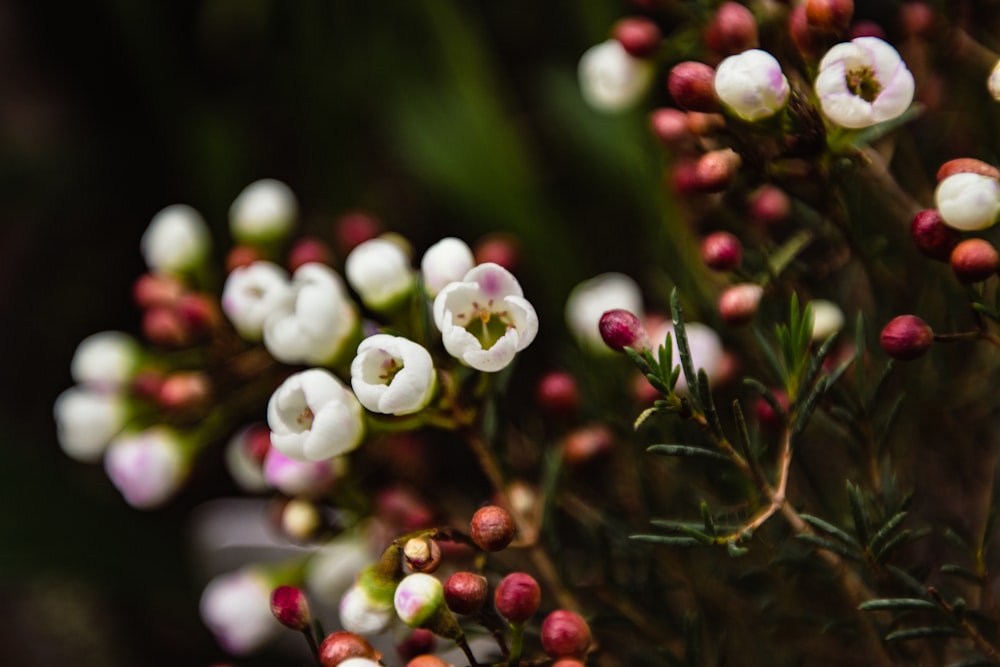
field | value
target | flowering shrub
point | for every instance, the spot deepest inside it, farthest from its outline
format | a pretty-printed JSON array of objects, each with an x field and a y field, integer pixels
[{"x": 700, "y": 451}]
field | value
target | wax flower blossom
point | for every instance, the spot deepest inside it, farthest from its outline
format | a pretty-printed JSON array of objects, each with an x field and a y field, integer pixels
[
  {"x": 264, "y": 211},
  {"x": 379, "y": 271},
  {"x": 364, "y": 611},
  {"x": 392, "y": 375},
  {"x": 589, "y": 300},
  {"x": 445, "y": 262},
  {"x": 968, "y": 201},
  {"x": 707, "y": 352},
  {"x": 313, "y": 416},
  {"x": 863, "y": 82},
  {"x": 751, "y": 84},
  {"x": 236, "y": 607},
  {"x": 87, "y": 420},
  {"x": 106, "y": 360},
  {"x": 611, "y": 79},
  {"x": 176, "y": 241},
  {"x": 148, "y": 467},
  {"x": 312, "y": 326},
  {"x": 252, "y": 293},
  {"x": 484, "y": 319},
  {"x": 307, "y": 479}
]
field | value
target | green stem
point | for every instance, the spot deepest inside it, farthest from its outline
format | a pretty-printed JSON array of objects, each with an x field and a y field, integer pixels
[{"x": 516, "y": 644}]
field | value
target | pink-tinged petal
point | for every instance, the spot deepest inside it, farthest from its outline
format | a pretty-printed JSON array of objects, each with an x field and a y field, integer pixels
[
  {"x": 497, "y": 357},
  {"x": 494, "y": 280},
  {"x": 522, "y": 314}
]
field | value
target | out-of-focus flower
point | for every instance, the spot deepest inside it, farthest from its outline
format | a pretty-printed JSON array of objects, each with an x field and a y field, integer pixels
[
  {"x": 707, "y": 352},
  {"x": 392, "y": 375},
  {"x": 87, "y": 420},
  {"x": 733, "y": 29},
  {"x": 739, "y": 303},
  {"x": 993, "y": 82},
  {"x": 612, "y": 80},
  {"x": 176, "y": 241},
  {"x": 363, "y": 612},
  {"x": 314, "y": 325},
  {"x": 245, "y": 454},
  {"x": 308, "y": 479},
  {"x": 264, "y": 211},
  {"x": 418, "y": 597},
  {"x": 639, "y": 36},
  {"x": 484, "y": 319},
  {"x": 445, "y": 262},
  {"x": 863, "y": 82},
  {"x": 968, "y": 201},
  {"x": 379, "y": 271},
  {"x": 589, "y": 300},
  {"x": 334, "y": 568},
  {"x": 236, "y": 607},
  {"x": 313, "y": 416},
  {"x": 252, "y": 293},
  {"x": 338, "y": 648},
  {"x": 751, "y": 84},
  {"x": 148, "y": 466},
  {"x": 106, "y": 360},
  {"x": 828, "y": 319}
]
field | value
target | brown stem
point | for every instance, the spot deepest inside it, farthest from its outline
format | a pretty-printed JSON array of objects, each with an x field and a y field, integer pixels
[{"x": 977, "y": 638}]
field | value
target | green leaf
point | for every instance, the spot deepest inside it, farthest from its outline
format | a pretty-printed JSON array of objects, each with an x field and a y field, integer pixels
[
  {"x": 683, "y": 349},
  {"x": 657, "y": 383},
  {"x": 897, "y": 604},
  {"x": 707, "y": 520},
  {"x": 708, "y": 404},
  {"x": 816, "y": 363},
  {"x": 921, "y": 633},
  {"x": 962, "y": 572},
  {"x": 687, "y": 450},
  {"x": 669, "y": 540},
  {"x": 735, "y": 551},
  {"x": 829, "y": 545},
  {"x": 804, "y": 411},
  {"x": 701, "y": 537},
  {"x": 830, "y": 529},
  {"x": 767, "y": 395},
  {"x": 639, "y": 360},
  {"x": 897, "y": 541},
  {"x": 905, "y": 578},
  {"x": 770, "y": 357},
  {"x": 885, "y": 532},
  {"x": 858, "y": 512}
]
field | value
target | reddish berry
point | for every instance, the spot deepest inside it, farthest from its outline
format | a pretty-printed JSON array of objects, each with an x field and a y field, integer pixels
[
  {"x": 692, "y": 85},
  {"x": 339, "y": 646},
  {"x": 517, "y": 597},
  {"x": 465, "y": 592},
  {"x": 639, "y": 36},
  {"x": 565, "y": 635},
  {"x": 721, "y": 251},
  {"x": 932, "y": 236},
  {"x": 492, "y": 528},
  {"x": 906, "y": 337},
  {"x": 974, "y": 260}
]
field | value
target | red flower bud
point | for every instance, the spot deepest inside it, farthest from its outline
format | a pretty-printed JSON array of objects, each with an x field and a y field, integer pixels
[
  {"x": 242, "y": 255},
  {"x": 769, "y": 205},
  {"x": 716, "y": 169},
  {"x": 974, "y": 260},
  {"x": 492, "y": 528},
  {"x": 418, "y": 642},
  {"x": 830, "y": 16},
  {"x": 465, "y": 592},
  {"x": 427, "y": 660},
  {"x": 558, "y": 394},
  {"x": 732, "y": 30},
  {"x": 806, "y": 39},
  {"x": 621, "y": 328},
  {"x": 932, "y": 237},
  {"x": 692, "y": 85},
  {"x": 906, "y": 337},
  {"x": 422, "y": 554},
  {"x": 721, "y": 251},
  {"x": 339, "y": 646},
  {"x": 739, "y": 303},
  {"x": 639, "y": 36},
  {"x": 517, "y": 597},
  {"x": 587, "y": 443},
  {"x": 669, "y": 125},
  {"x": 290, "y": 607},
  {"x": 308, "y": 250},
  {"x": 354, "y": 228},
  {"x": 502, "y": 249},
  {"x": 565, "y": 635}
]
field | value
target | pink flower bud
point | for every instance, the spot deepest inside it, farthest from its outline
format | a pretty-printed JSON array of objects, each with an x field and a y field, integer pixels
[
  {"x": 830, "y": 16},
  {"x": 557, "y": 394},
  {"x": 715, "y": 170},
  {"x": 670, "y": 126},
  {"x": 492, "y": 528},
  {"x": 721, "y": 251},
  {"x": 621, "y": 328},
  {"x": 705, "y": 124},
  {"x": 501, "y": 249},
  {"x": 639, "y": 36},
  {"x": 918, "y": 18},
  {"x": 739, "y": 303},
  {"x": 733, "y": 29},
  {"x": 184, "y": 391},
  {"x": 290, "y": 607},
  {"x": 162, "y": 326},
  {"x": 427, "y": 660},
  {"x": 906, "y": 337},
  {"x": 565, "y": 635},
  {"x": 241, "y": 256},
  {"x": 769, "y": 205},
  {"x": 517, "y": 597},
  {"x": 974, "y": 260},
  {"x": 867, "y": 29},
  {"x": 422, "y": 554},
  {"x": 932, "y": 236},
  {"x": 354, "y": 228},
  {"x": 419, "y": 642},
  {"x": 588, "y": 443},
  {"x": 198, "y": 312},
  {"x": 339, "y": 646},
  {"x": 307, "y": 250},
  {"x": 155, "y": 289},
  {"x": 692, "y": 85},
  {"x": 465, "y": 592},
  {"x": 806, "y": 39}
]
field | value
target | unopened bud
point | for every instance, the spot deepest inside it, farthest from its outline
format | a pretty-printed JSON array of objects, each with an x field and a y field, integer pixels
[
  {"x": 492, "y": 528},
  {"x": 587, "y": 444},
  {"x": 966, "y": 165},
  {"x": 156, "y": 289},
  {"x": 769, "y": 205},
  {"x": 241, "y": 256},
  {"x": 807, "y": 40},
  {"x": 422, "y": 554},
  {"x": 621, "y": 328},
  {"x": 198, "y": 312},
  {"x": 290, "y": 607},
  {"x": 733, "y": 29},
  {"x": 565, "y": 635},
  {"x": 974, "y": 260},
  {"x": 465, "y": 592},
  {"x": 354, "y": 228},
  {"x": 184, "y": 390},
  {"x": 419, "y": 602},
  {"x": 932, "y": 236},
  {"x": 721, "y": 251},
  {"x": 906, "y": 337},
  {"x": 308, "y": 250},
  {"x": 517, "y": 597},
  {"x": 717, "y": 169},
  {"x": 867, "y": 29},
  {"x": 341, "y": 646},
  {"x": 420, "y": 641},
  {"x": 692, "y": 85},
  {"x": 639, "y": 36},
  {"x": 427, "y": 660},
  {"x": 558, "y": 394},
  {"x": 739, "y": 303},
  {"x": 669, "y": 125},
  {"x": 502, "y": 249},
  {"x": 830, "y": 16}
]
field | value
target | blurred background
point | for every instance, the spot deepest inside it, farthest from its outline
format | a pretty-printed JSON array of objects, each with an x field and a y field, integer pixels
[{"x": 440, "y": 117}]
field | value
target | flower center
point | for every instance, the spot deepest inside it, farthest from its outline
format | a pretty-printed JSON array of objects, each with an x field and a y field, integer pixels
[
  {"x": 488, "y": 327},
  {"x": 390, "y": 366},
  {"x": 861, "y": 81},
  {"x": 305, "y": 419}
]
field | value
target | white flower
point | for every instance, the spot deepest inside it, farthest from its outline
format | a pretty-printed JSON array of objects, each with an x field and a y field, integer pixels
[
  {"x": 707, "y": 352},
  {"x": 252, "y": 293},
  {"x": 379, "y": 271},
  {"x": 335, "y": 567},
  {"x": 363, "y": 613},
  {"x": 87, "y": 420},
  {"x": 751, "y": 84},
  {"x": 445, "y": 262},
  {"x": 147, "y": 467},
  {"x": 176, "y": 240},
  {"x": 589, "y": 300},
  {"x": 828, "y": 319},
  {"x": 417, "y": 597},
  {"x": 993, "y": 82},
  {"x": 611, "y": 79},
  {"x": 313, "y": 326},
  {"x": 308, "y": 479},
  {"x": 484, "y": 319},
  {"x": 242, "y": 462},
  {"x": 968, "y": 201},
  {"x": 358, "y": 662},
  {"x": 264, "y": 211},
  {"x": 863, "y": 82},
  {"x": 313, "y": 416},
  {"x": 105, "y": 360},
  {"x": 392, "y": 375},
  {"x": 236, "y": 607}
]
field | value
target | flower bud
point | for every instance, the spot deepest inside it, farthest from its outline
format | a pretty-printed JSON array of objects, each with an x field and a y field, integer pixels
[
  {"x": 176, "y": 241},
  {"x": 154, "y": 289},
  {"x": 918, "y": 19},
  {"x": 715, "y": 170},
  {"x": 422, "y": 554},
  {"x": 733, "y": 29},
  {"x": 565, "y": 635},
  {"x": 427, "y": 660},
  {"x": 587, "y": 443},
  {"x": 612, "y": 80},
  {"x": 184, "y": 391},
  {"x": 419, "y": 602},
  {"x": 87, "y": 420},
  {"x": 705, "y": 124},
  {"x": 589, "y": 300},
  {"x": 263, "y": 212},
  {"x": 465, "y": 592},
  {"x": 290, "y": 607},
  {"x": 692, "y": 86},
  {"x": 147, "y": 467},
  {"x": 105, "y": 361},
  {"x": 867, "y": 29},
  {"x": 294, "y": 477},
  {"x": 669, "y": 125},
  {"x": 752, "y": 85},
  {"x": 445, "y": 262},
  {"x": 417, "y": 643},
  {"x": 501, "y": 249},
  {"x": 557, "y": 394},
  {"x": 974, "y": 260},
  {"x": 993, "y": 82},
  {"x": 517, "y": 597},
  {"x": 198, "y": 313},
  {"x": 968, "y": 201},
  {"x": 354, "y": 228},
  {"x": 966, "y": 165},
  {"x": 721, "y": 251},
  {"x": 828, "y": 319},
  {"x": 492, "y": 528},
  {"x": 931, "y": 236},
  {"x": 906, "y": 337},
  {"x": 242, "y": 255},
  {"x": 620, "y": 328},
  {"x": 807, "y": 40},
  {"x": 638, "y": 35},
  {"x": 769, "y": 205},
  {"x": 830, "y": 16},
  {"x": 379, "y": 271},
  {"x": 299, "y": 520},
  {"x": 739, "y": 303},
  {"x": 568, "y": 662},
  {"x": 307, "y": 250},
  {"x": 340, "y": 646}
]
